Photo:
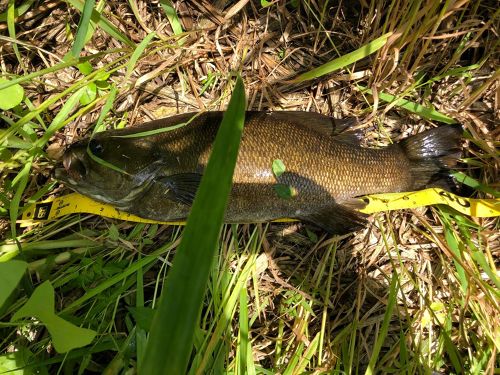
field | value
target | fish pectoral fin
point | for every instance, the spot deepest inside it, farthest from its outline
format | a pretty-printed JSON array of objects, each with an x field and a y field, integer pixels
[
  {"x": 337, "y": 219},
  {"x": 181, "y": 187}
]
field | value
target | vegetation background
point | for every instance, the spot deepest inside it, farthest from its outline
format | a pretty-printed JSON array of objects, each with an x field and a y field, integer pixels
[{"x": 416, "y": 292}]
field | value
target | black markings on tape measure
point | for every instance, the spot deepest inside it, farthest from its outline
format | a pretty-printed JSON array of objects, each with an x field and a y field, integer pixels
[
  {"x": 459, "y": 200},
  {"x": 42, "y": 211}
]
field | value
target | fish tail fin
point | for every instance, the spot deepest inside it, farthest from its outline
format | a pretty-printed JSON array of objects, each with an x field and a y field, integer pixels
[{"x": 432, "y": 154}]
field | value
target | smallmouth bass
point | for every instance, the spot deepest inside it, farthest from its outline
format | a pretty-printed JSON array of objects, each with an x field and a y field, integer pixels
[{"x": 155, "y": 175}]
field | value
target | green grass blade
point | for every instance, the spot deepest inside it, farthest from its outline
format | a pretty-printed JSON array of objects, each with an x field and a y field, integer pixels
[
  {"x": 18, "y": 11},
  {"x": 105, "y": 109},
  {"x": 103, "y": 23},
  {"x": 244, "y": 342},
  {"x": 22, "y": 178},
  {"x": 475, "y": 184},
  {"x": 12, "y": 29},
  {"x": 83, "y": 27},
  {"x": 391, "y": 302},
  {"x": 343, "y": 61},
  {"x": 172, "y": 16},
  {"x": 171, "y": 338},
  {"x": 137, "y": 53},
  {"x": 424, "y": 112}
]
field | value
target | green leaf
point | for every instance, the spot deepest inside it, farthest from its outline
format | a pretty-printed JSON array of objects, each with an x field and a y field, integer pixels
[
  {"x": 85, "y": 68},
  {"x": 424, "y": 112},
  {"x": 278, "y": 167},
  {"x": 83, "y": 26},
  {"x": 172, "y": 332},
  {"x": 10, "y": 96},
  {"x": 65, "y": 335},
  {"x": 14, "y": 363},
  {"x": 11, "y": 273},
  {"x": 346, "y": 60},
  {"x": 89, "y": 94},
  {"x": 285, "y": 191},
  {"x": 265, "y": 3}
]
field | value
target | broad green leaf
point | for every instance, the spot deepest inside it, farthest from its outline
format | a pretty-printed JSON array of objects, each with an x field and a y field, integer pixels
[
  {"x": 346, "y": 60},
  {"x": 172, "y": 332},
  {"x": 424, "y": 112},
  {"x": 11, "y": 273},
  {"x": 13, "y": 363},
  {"x": 278, "y": 167},
  {"x": 83, "y": 26},
  {"x": 89, "y": 94},
  {"x": 85, "y": 68},
  {"x": 65, "y": 335},
  {"x": 10, "y": 96}
]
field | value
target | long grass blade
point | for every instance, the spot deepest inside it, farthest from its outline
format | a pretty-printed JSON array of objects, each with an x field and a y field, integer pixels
[
  {"x": 424, "y": 112},
  {"x": 346, "y": 60},
  {"x": 391, "y": 302},
  {"x": 83, "y": 27},
  {"x": 171, "y": 337}
]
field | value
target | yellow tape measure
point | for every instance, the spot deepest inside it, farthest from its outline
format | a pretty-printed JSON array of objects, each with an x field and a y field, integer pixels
[{"x": 77, "y": 203}]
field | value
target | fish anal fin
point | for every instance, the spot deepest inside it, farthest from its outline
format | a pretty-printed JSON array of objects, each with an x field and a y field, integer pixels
[
  {"x": 337, "y": 219},
  {"x": 180, "y": 187}
]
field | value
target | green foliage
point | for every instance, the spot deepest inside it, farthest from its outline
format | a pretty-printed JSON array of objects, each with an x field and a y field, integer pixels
[
  {"x": 10, "y": 96},
  {"x": 278, "y": 167},
  {"x": 65, "y": 335},
  {"x": 11, "y": 274},
  {"x": 171, "y": 337}
]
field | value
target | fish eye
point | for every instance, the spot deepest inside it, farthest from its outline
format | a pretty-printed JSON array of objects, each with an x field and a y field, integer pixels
[{"x": 95, "y": 147}]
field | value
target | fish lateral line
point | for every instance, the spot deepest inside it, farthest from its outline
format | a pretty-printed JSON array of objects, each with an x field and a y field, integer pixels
[{"x": 56, "y": 207}]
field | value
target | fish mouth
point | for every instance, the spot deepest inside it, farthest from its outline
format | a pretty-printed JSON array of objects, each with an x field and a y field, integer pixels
[{"x": 74, "y": 169}]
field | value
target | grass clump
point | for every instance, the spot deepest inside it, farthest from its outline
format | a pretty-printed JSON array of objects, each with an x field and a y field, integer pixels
[{"x": 415, "y": 292}]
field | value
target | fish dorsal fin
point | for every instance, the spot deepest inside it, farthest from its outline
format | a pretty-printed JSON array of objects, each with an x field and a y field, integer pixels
[
  {"x": 314, "y": 121},
  {"x": 180, "y": 187},
  {"x": 343, "y": 131},
  {"x": 322, "y": 124}
]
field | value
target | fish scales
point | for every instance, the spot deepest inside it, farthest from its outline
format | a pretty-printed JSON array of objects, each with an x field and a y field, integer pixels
[{"x": 324, "y": 171}]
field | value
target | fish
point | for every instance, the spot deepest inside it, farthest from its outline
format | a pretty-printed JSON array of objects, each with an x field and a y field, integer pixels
[{"x": 153, "y": 170}]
